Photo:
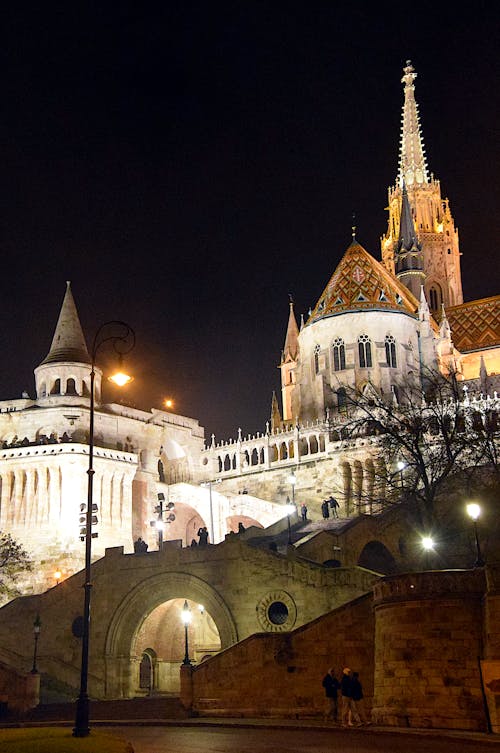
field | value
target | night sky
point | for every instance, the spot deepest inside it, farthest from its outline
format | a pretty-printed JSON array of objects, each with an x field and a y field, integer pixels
[{"x": 188, "y": 166}]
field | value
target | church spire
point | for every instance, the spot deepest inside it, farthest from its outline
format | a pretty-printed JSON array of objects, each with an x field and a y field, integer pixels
[
  {"x": 68, "y": 343},
  {"x": 412, "y": 162},
  {"x": 292, "y": 336},
  {"x": 409, "y": 256}
]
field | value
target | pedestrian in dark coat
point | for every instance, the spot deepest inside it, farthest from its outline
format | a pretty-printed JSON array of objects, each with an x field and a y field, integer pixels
[
  {"x": 332, "y": 687},
  {"x": 334, "y": 506},
  {"x": 345, "y": 692},
  {"x": 358, "y": 706},
  {"x": 303, "y": 511},
  {"x": 324, "y": 509}
]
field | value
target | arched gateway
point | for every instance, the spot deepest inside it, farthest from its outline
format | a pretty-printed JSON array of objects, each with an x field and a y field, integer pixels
[{"x": 121, "y": 658}]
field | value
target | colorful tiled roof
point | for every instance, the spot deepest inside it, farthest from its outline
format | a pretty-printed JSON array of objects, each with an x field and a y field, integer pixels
[
  {"x": 476, "y": 324},
  {"x": 359, "y": 283}
]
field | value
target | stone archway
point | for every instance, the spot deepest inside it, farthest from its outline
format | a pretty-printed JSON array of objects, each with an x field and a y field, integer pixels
[
  {"x": 121, "y": 664},
  {"x": 375, "y": 556}
]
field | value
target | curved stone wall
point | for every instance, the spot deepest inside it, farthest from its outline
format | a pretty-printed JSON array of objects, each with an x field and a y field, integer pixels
[{"x": 428, "y": 640}]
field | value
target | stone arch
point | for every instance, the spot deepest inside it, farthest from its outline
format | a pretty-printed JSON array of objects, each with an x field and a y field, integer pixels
[
  {"x": 138, "y": 604},
  {"x": 375, "y": 556}
]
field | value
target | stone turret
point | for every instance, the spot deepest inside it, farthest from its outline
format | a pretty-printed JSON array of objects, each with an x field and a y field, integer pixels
[{"x": 63, "y": 377}]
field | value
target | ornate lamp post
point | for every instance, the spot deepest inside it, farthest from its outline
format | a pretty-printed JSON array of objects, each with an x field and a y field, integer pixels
[
  {"x": 290, "y": 509},
  {"x": 474, "y": 512},
  {"x": 186, "y": 617},
  {"x": 122, "y": 338},
  {"x": 37, "y": 626},
  {"x": 292, "y": 478}
]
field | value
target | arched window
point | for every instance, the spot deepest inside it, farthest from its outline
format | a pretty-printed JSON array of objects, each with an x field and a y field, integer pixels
[
  {"x": 390, "y": 351},
  {"x": 338, "y": 354},
  {"x": 316, "y": 359},
  {"x": 365, "y": 352},
  {"x": 435, "y": 298},
  {"x": 71, "y": 386}
]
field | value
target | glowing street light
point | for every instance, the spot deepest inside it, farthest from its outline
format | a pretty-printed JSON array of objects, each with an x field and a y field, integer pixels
[
  {"x": 428, "y": 544},
  {"x": 186, "y": 618},
  {"x": 474, "y": 512},
  {"x": 122, "y": 338}
]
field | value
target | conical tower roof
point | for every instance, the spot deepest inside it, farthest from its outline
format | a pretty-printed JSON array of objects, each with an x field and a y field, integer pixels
[
  {"x": 68, "y": 343},
  {"x": 291, "y": 347},
  {"x": 361, "y": 283}
]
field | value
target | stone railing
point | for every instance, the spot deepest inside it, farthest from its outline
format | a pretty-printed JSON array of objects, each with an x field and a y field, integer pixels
[{"x": 429, "y": 585}]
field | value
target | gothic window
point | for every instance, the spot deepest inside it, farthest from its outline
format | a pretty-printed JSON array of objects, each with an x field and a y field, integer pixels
[
  {"x": 435, "y": 297},
  {"x": 390, "y": 351},
  {"x": 316, "y": 359},
  {"x": 365, "y": 352},
  {"x": 338, "y": 354}
]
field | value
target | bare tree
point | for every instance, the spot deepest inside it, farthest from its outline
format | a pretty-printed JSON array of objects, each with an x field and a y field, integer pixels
[
  {"x": 14, "y": 560},
  {"x": 426, "y": 432}
]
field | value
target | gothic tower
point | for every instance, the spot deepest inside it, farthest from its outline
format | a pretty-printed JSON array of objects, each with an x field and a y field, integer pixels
[{"x": 430, "y": 254}]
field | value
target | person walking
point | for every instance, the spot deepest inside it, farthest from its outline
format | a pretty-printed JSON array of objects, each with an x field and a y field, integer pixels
[
  {"x": 332, "y": 687},
  {"x": 303, "y": 511},
  {"x": 358, "y": 714},
  {"x": 345, "y": 692},
  {"x": 324, "y": 509},
  {"x": 334, "y": 506}
]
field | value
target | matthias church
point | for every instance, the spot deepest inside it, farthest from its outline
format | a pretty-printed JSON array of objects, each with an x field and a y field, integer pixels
[{"x": 376, "y": 323}]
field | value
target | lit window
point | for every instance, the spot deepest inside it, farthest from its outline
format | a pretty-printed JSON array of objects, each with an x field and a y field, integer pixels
[
  {"x": 365, "y": 352},
  {"x": 338, "y": 354},
  {"x": 390, "y": 351}
]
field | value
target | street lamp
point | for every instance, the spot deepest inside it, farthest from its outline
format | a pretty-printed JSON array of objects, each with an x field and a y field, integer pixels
[
  {"x": 159, "y": 523},
  {"x": 474, "y": 511},
  {"x": 428, "y": 546},
  {"x": 209, "y": 484},
  {"x": 186, "y": 617},
  {"x": 290, "y": 509},
  {"x": 292, "y": 478},
  {"x": 122, "y": 338},
  {"x": 37, "y": 626}
]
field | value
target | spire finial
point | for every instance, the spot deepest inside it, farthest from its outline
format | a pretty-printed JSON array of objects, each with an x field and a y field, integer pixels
[
  {"x": 353, "y": 226},
  {"x": 290, "y": 299}
]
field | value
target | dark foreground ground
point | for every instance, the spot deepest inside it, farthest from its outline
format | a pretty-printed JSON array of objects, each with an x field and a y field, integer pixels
[{"x": 293, "y": 737}]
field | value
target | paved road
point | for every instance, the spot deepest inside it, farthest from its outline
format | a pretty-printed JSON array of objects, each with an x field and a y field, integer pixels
[{"x": 201, "y": 739}]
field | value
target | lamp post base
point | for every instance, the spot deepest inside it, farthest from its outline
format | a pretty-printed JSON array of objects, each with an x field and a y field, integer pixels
[{"x": 81, "y": 728}]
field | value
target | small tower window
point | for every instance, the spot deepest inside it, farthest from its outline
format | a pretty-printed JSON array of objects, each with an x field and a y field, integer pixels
[
  {"x": 316, "y": 359},
  {"x": 338, "y": 354},
  {"x": 435, "y": 297},
  {"x": 390, "y": 351},
  {"x": 365, "y": 352}
]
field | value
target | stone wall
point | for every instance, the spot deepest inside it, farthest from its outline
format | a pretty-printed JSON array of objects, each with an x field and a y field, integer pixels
[{"x": 280, "y": 675}]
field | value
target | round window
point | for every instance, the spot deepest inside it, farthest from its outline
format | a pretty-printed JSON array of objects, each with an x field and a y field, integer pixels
[{"x": 277, "y": 613}]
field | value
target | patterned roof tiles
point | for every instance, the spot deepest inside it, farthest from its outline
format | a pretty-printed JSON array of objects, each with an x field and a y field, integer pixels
[
  {"x": 360, "y": 282},
  {"x": 476, "y": 324}
]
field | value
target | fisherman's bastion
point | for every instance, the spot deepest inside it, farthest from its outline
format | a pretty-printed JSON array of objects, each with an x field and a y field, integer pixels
[{"x": 271, "y": 596}]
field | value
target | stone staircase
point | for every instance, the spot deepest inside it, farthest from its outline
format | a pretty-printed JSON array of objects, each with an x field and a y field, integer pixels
[{"x": 155, "y": 707}]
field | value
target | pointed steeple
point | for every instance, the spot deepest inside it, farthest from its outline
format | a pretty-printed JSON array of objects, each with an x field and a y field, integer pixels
[
  {"x": 275, "y": 413},
  {"x": 409, "y": 255},
  {"x": 68, "y": 343},
  {"x": 424, "y": 314},
  {"x": 291, "y": 347},
  {"x": 412, "y": 162}
]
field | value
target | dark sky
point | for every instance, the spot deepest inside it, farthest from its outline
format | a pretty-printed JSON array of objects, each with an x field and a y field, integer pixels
[{"x": 189, "y": 165}]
